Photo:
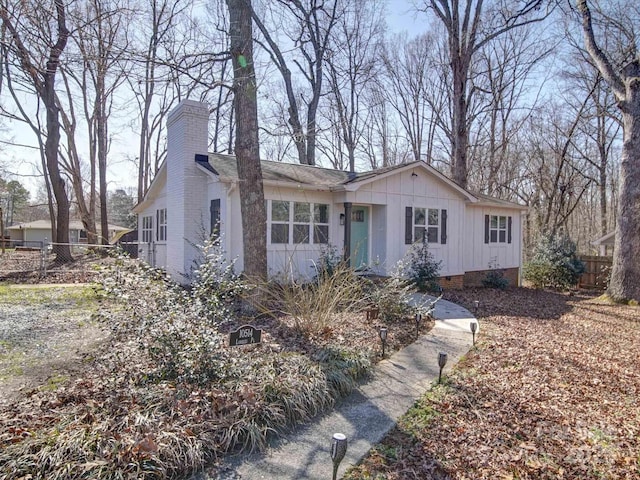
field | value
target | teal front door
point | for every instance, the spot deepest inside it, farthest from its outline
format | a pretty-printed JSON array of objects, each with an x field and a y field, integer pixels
[{"x": 359, "y": 236}]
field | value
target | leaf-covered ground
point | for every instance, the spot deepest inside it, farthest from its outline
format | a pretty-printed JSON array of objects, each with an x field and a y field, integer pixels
[{"x": 550, "y": 392}]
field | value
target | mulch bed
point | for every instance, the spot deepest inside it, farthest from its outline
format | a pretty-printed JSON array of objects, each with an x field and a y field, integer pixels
[{"x": 550, "y": 392}]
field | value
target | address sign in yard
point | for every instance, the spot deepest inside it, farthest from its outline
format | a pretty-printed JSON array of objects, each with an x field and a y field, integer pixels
[{"x": 245, "y": 335}]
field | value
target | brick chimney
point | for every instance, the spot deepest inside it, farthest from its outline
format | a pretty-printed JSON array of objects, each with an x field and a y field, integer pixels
[{"x": 187, "y": 209}]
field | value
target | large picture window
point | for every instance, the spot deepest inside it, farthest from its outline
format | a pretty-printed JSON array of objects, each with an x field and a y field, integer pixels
[
  {"x": 147, "y": 229},
  {"x": 299, "y": 223}
]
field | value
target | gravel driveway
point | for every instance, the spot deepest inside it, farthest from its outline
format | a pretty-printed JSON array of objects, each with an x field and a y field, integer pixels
[{"x": 43, "y": 336}]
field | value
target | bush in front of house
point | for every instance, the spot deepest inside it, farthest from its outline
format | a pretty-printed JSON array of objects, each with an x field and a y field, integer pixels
[
  {"x": 421, "y": 268},
  {"x": 555, "y": 263},
  {"x": 495, "y": 278}
]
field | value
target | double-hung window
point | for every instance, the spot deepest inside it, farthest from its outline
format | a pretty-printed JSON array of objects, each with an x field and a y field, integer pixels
[
  {"x": 497, "y": 229},
  {"x": 424, "y": 224},
  {"x": 147, "y": 229},
  {"x": 299, "y": 223},
  {"x": 161, "y": 234}
]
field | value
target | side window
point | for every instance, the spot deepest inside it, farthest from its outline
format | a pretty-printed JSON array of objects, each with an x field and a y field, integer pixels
[
  {"x": 161, "y": 234},
  {"x": 279, "y": 221},
  {"x": 320, "y": 223},
  {"x": 214, "y": 210},
  {"x": 147, "y": 229},
  {"x": 426, "y": 225},
  {"x": 497, "y": 229}
]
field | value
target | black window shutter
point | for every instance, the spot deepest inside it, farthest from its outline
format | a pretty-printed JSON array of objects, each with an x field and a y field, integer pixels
[
  {"x": 486, "y": 229},
  {"x": 408, "y": 225},
  {"x": 157, "y": 224},
  {"x": 214, "y": 209},
  {"x": 508, "y": 229},
  {"x": 443, "y": 230}
]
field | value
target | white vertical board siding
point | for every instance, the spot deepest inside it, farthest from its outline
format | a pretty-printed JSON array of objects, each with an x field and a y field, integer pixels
[
  {"x": 299, "y": 260},
  {"x": 479, "y": 255},
  {"x": 378, "y": 259},
  {"x": 404, "y": 190}
]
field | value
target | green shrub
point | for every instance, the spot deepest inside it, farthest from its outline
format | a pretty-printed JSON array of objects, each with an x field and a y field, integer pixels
[
  {"x": 421, "y": 268},
  {"x": 495, "y": 277},
  {"x": 554, "y": 264}
]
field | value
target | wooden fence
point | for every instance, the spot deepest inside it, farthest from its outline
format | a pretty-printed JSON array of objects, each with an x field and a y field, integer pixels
[{"x": 596, "y": 274}]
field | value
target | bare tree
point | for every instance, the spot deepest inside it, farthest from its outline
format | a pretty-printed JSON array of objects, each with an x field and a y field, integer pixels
[
  {"x": 43, "y": 79},
  {"x": 351, "y": 65},
  {"x": 469, "y": 25},
  {"x": 503, "y": 102},
  {"x": 247, "y": 146},
  {"x": 624, "y": 82},
  {"x": 407, "y": 68},
  {"x": 311, "y": 24}
]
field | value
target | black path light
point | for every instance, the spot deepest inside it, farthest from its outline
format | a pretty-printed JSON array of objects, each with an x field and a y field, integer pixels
[
  {"x": 474, "y": 329},
  {"x": 476, "y": 306},
  {"x": 383, "y": 338},
  {"x": 418, "y": 320},
  {"x": 442, "y": 361},
  {"x": 338, "y": 451}
]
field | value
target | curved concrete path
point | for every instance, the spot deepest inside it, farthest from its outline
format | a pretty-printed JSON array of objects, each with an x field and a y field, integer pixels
[{"x": 368, "y": 413}]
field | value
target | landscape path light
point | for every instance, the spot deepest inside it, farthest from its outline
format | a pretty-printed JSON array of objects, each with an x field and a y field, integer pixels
[
  {"x": 474, "y": 329},
  {"x": 383, "y": 338},
  {"x": 476, "y": 306},
  {"x": 338, "y": 451},
  {"x": 418, "y": 320},
  {"x": 442, "y": 361}
]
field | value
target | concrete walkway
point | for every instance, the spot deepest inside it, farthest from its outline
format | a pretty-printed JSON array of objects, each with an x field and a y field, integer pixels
[{"x": 368, "y": 413}]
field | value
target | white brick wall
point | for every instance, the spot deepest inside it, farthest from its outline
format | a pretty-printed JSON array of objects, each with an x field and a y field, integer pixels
[{"x": 187, "y": 207}]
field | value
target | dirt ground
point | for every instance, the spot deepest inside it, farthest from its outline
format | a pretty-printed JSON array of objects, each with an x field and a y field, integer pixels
[{"x": 44, "y": 338}]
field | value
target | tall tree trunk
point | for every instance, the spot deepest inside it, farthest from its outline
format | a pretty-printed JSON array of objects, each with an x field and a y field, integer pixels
[
  {"x": 625, "y": 83},
  {"x": 247, "y": 148},
  {"x": 625, "y": 275}
]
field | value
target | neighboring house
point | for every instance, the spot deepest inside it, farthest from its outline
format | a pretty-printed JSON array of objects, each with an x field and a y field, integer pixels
[
  {"x": 605, "y": 244},
  {"x": 373, "y": 217},
  {"x": 38, "y": 233}
]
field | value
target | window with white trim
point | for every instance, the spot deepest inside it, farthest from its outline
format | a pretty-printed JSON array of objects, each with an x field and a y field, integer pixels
[
  {"x": 498, "y": 229},
  {"x": 161, "y": 234},
  {"x": 147, "y": 229},
  {"x": 426, "y": 225},
  {"x": 299, "y": 223}
]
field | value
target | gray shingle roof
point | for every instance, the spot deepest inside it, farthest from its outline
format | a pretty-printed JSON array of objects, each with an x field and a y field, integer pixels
[{"x": 225, "y": 166}]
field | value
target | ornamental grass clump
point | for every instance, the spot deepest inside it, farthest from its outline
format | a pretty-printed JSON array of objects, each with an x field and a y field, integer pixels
[{"x": 313, "y": 305}]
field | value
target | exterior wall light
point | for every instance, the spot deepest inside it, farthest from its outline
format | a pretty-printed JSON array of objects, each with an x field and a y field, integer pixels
[{"x": 342, "y": 219}]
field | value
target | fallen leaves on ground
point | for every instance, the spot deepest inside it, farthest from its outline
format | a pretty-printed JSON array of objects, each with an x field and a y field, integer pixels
[{"x": 550, "y": 392}]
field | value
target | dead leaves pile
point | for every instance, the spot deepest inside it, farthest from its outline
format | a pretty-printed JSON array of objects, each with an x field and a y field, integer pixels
[{"x": 550, "y": 392}]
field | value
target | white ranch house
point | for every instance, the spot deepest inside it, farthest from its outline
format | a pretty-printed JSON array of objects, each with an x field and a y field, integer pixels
[{"x": 373, "y": 217}]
